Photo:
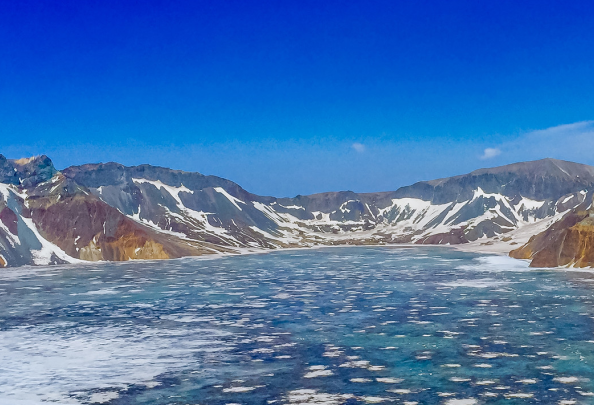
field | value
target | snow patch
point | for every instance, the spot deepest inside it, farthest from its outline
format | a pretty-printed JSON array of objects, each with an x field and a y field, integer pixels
[
  {"x": 233, "y": 200},
  {"x": 44, "y": 255},
  {"x": 173, "y": 191}
]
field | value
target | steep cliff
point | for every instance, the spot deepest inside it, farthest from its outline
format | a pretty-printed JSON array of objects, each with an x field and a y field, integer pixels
[{"x": 568, "y": 243}]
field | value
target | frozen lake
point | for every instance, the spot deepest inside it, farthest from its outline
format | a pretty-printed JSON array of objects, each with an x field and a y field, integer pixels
[{"x": 338, "y": 325}]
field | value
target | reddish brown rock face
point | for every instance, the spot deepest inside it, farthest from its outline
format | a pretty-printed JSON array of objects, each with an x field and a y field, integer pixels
[
  {"x": 569, "y": 242},
  {"x": 132, "y": 242},
  {"x": 87, "y": 228},
  {"x": 578, "y": 246},
  {"x": 9, "y": 219}
]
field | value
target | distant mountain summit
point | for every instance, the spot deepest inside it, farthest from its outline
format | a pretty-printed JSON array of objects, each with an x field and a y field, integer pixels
[
  {"x": 544, "y": 179},
  {"x": 114, "y": 212},
  {"x": 26, "y": 172}
]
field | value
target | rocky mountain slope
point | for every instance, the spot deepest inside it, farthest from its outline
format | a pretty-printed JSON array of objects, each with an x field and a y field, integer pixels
[
  {"x": 568, "y": 242},
  {"x": 113, "y": 212}
]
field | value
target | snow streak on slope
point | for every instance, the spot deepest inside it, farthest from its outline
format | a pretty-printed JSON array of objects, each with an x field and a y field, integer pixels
[
  {"x": 181, "y": 221},
  {"x": 233, "y": 200},
  {"x": 45, "y": 254},
  {"x": 173, "y": 191},
  {"x": 26, "y": 245}
]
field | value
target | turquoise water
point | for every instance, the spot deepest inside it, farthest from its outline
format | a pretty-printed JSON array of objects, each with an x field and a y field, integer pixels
[{"x": 328, "y": 326}]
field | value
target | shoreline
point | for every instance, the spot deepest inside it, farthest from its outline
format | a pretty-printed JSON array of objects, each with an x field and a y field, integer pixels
[
  {"x": 495, "y": 249},
  {"x": 246, "y": 252}
]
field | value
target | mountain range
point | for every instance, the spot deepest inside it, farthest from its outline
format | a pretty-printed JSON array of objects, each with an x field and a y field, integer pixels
[{"x": 539, "y": 210}]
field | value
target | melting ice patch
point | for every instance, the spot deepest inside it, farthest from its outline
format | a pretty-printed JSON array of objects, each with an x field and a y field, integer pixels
[
  {"x": 318, "y": 371},
  {"x": 466, "y": 401},
  {"x": 495, "y": 264},
  {"x": 51, "y": 363},
  {"x": 479, "y": 283},
  {"x": 308, "y": 396}
]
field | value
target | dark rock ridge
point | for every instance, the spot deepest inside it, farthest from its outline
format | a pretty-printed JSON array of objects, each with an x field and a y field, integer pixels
[
  {"x": 26, "y": 172},
  {"x": 113, "y": 212}
]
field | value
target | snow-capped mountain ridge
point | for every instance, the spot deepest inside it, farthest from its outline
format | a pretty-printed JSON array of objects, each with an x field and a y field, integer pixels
[
  {"x": 334, "y": 217},
  {"x": 113, "y": 212}
]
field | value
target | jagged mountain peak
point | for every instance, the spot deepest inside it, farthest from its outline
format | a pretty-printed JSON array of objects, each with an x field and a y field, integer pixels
[{"x": 26, "y": 172}]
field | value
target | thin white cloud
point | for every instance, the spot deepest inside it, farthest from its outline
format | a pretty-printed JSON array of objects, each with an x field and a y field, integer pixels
[
  {"x": 491, "y": 153},
  {"x": 573, "y": 142},
  {"x": 580, "y": 129},
  {"x": 359, "y": 147}
]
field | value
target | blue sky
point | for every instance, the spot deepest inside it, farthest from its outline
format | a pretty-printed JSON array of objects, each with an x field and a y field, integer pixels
[{"x": 292, "y": 97}]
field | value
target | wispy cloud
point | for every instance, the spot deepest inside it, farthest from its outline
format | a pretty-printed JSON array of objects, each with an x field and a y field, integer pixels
[
  {"x": 568, "y": 141},
  {"x": 582, "y": 129},
  {"x": 490, "y": 153},
  {"x": 359, "y": 147}
]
